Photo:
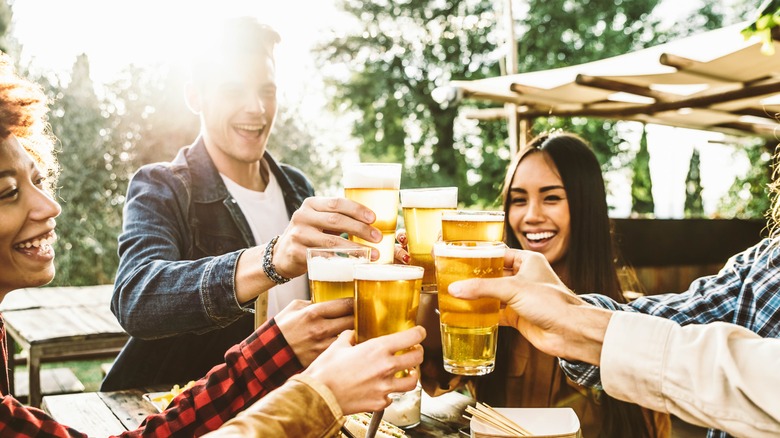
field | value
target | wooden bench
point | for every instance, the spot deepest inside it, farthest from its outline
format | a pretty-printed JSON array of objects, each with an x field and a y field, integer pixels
[
  {"x": 60, "y": 323},
  {"x": 54, "y": 381}
]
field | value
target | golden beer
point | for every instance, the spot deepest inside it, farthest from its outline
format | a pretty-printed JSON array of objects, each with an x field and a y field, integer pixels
[
  {"x": 469, "y": 328},
  {"x": 485, "y": 226},
  {"x": 386, "y": 299},
  {"x": 376, "y": 185},
  {"x": 331, "y": 271},
  {"x": 423, "y": 210}
]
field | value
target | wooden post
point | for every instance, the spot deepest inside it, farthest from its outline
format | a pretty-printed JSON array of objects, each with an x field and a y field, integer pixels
[
  {"x": 525, "y": 130},
  {"x": 513, "y": 120}
]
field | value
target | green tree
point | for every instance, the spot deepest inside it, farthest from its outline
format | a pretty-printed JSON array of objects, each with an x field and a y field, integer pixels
[
  {"x": 405, "y": 48},
  {"x": 147, "y": 117},
  {"x": 401, "y": 53},
  {"x": 693, "y": 201},
  {"x": 6, "y": 18},
  {"x": 748, "y": 197},
  {"x": 641, "y": 183},
  {"x": 90, "y": 219}
]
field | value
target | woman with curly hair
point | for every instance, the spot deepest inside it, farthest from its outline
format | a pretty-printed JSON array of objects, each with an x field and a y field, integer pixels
[{"x": 262, "y": 374}]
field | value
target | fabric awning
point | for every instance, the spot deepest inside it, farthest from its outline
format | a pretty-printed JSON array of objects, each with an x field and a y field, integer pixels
[{"x": 713, "y": 81}]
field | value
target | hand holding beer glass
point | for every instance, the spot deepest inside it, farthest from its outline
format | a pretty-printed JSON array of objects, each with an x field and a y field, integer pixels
[
  {"x": 331, "y": 271},
  {"x": 469, "y": 328},
  {"x": 376, "y": 186},
  {"x": 423, "y": 209},
  {"x": 387, "y": 298}
]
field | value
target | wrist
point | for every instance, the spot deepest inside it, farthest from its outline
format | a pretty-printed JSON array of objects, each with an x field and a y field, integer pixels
[
  {"x": 587, "y": 328},
  {"x": 268, "y": 265}
]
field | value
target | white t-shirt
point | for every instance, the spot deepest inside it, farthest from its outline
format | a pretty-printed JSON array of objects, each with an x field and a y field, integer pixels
[{"x": 267, "y": 217}]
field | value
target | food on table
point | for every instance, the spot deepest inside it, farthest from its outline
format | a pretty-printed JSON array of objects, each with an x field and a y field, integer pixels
[
  {"x": 357, "y": 424},
  {"x": 163, "y": 399}
]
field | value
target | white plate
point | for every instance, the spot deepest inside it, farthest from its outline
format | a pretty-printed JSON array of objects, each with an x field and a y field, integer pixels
[
  {"x": 540, "y": 422},
  {"x": 160, "y": 405}
]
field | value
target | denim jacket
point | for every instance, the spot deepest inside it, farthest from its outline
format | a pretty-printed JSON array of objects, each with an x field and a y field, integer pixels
[{"x": 175, "y": 287}]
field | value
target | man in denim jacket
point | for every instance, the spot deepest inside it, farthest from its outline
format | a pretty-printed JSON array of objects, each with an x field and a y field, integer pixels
[{"x": 211, "y": 232}]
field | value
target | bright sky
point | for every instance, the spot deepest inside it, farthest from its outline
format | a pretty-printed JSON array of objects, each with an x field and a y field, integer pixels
[{"x": 116, "y": 33}]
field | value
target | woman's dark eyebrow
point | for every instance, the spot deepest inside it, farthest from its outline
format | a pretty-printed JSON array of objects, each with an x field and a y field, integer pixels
[
  {"x": 7, "y": 172},
  {"x": 543, "y": 189},
  {"x": 12, "y": 172}
]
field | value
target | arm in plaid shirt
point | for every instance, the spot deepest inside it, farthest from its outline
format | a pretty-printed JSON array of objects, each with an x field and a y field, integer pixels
[
  {"x": 744, "y": 292},
  {"x": 261, "y": 363}
]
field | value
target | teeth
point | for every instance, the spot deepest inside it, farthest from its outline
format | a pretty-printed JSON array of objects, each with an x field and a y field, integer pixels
[
  {"x": 539, "y": 236},
  {"x": 37, "y": 242},
  {"x": 249, "y": 127}
]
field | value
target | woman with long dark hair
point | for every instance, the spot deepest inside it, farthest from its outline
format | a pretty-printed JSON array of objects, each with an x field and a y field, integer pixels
[{"x": 555, "y": 204}]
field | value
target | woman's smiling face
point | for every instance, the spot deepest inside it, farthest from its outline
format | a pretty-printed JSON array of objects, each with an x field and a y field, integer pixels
[
  {"x": 27, "y": 223},
  {"x": 539, "y": 209}
]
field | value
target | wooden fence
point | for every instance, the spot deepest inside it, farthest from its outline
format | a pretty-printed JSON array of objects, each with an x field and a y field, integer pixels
[{"x": 667, "y": 254}]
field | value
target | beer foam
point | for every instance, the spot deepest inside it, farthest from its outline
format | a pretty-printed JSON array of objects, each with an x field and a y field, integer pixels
[
  {"x": 372, "y": 176},
  {"x": 442, "y": 197},
  {"x": 486, "y": 250},
  {"x": 473, "y": 216},
  {"x": 388, "y": 272},
  {"x": 333, "y": 268}
]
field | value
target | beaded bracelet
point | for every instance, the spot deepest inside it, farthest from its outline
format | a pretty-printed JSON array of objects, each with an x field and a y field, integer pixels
[{"x": 268, "y": 266}]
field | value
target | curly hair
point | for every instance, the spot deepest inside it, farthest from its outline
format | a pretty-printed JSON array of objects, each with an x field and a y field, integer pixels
[{"x": 23, "y": 110}]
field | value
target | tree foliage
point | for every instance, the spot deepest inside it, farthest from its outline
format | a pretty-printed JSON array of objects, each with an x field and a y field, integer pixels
[
  {"x": 748, "y": 197},
  {"x": 693, "y": 200},
  {"x": 6, "y": 18},
  {"x": 403, "y": 49},
  {"x": 766, "y": 23},
  {"x": 88, "y": 188},
  {"x": 641, "y": 184}
]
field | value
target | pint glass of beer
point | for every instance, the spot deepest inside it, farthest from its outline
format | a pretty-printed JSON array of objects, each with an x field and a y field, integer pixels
[
  {"x": 423, "y": 209},
  {"x": 331, "y": 270},
  {"x": 469, "y": 328},
  {"x": 386, "y": 299},
  {"x": 376, "y": 186},
  {"x": 486, "y": 226}
]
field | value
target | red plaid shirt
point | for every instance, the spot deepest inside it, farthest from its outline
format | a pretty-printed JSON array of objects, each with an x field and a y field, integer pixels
[{"x": 261, "y": 363}]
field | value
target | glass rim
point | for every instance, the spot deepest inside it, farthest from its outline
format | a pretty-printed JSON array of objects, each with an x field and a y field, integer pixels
[
  {"x": 444, "y": 198},
  {"x": 336, "y": 250},
  {"x": 371, "y": 176},
  {"x": 362, "y": 271},
  {"x": 469, "y": 249},
  {"x": 474, "y": 215},
  {"x": 430, "y": 189}
]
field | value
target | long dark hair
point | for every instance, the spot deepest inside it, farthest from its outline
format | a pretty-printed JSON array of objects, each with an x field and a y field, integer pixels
[{"x": 591, "y": 256}]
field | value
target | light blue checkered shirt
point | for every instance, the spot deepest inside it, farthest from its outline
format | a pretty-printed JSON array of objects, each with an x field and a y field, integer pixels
[{"x": 744, "y": 292}]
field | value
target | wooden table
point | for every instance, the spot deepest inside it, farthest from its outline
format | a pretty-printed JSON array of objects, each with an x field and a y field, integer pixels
[
  {"x": 53, "y": 324},
  {"x": 100, "y": 414}
]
